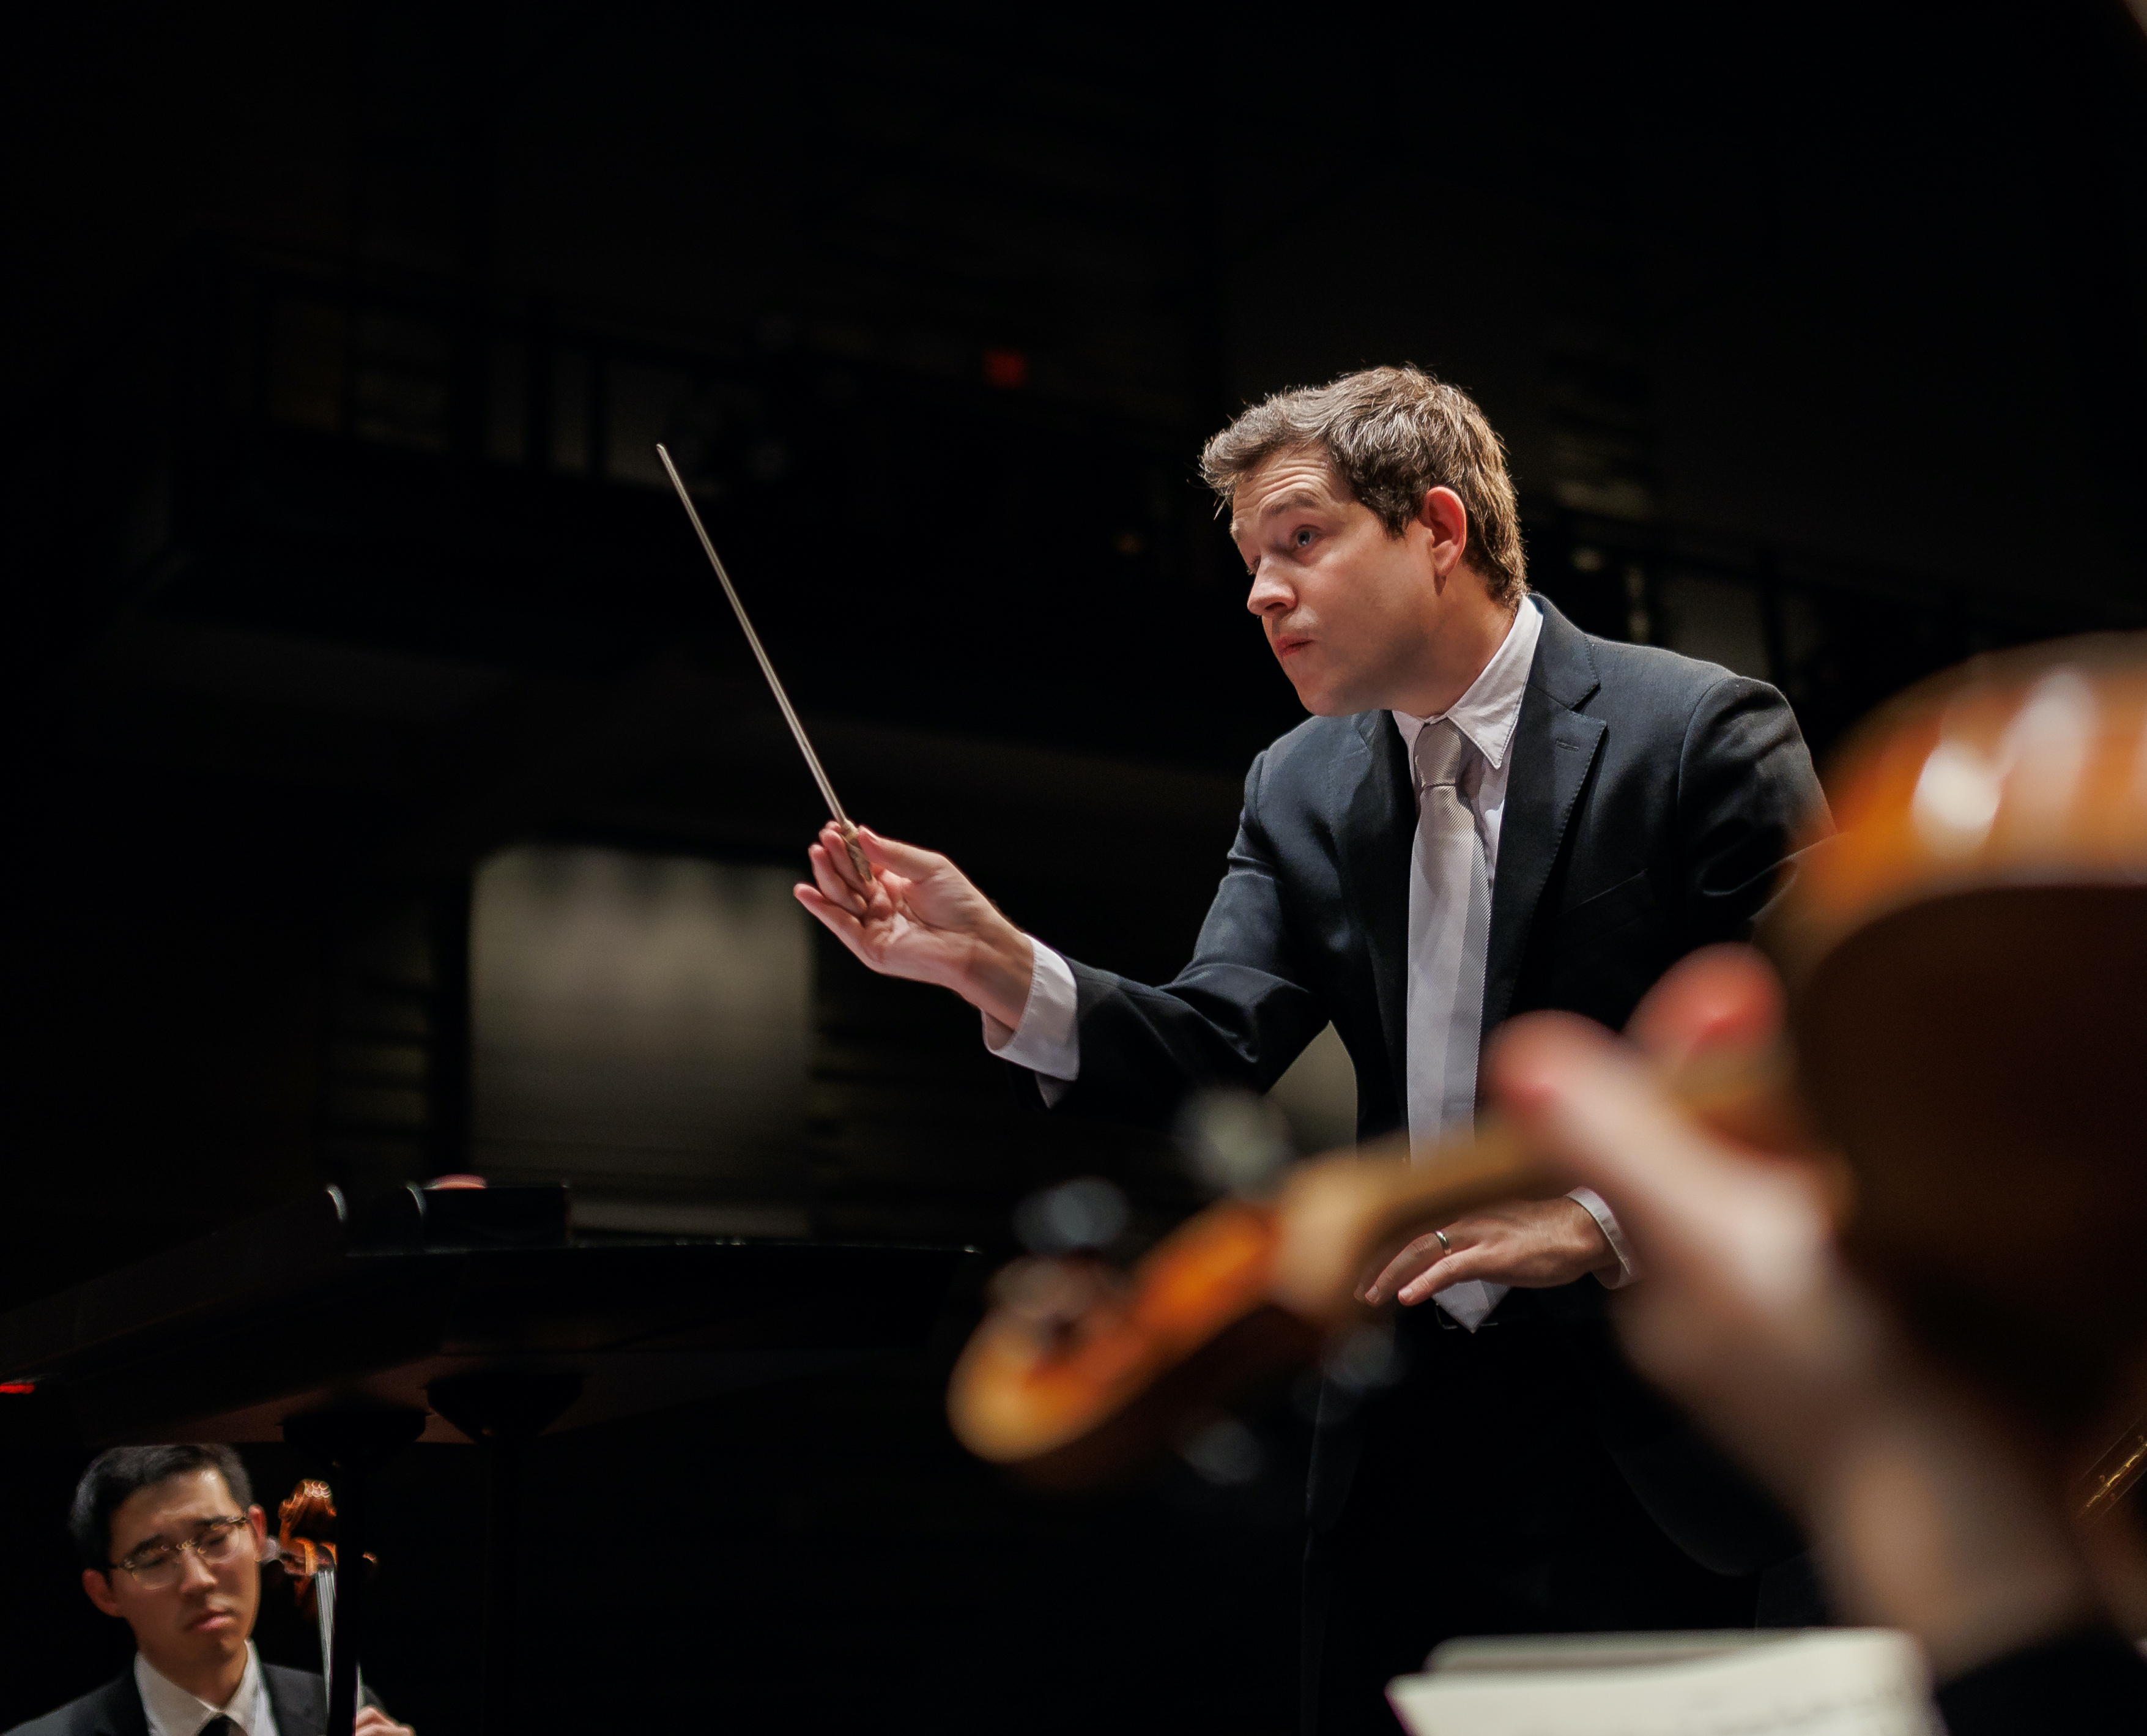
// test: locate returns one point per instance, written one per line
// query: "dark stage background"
(336, 337)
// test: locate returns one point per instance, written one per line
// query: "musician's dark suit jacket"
(1651, 803)
(300, 1699)
(2091, 1682)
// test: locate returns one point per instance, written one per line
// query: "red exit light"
(17, 1386)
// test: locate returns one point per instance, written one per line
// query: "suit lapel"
(118, 1709)
(300, 1701)
(1377, 829)
(1553, 746)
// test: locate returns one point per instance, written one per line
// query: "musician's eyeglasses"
(157, 1567)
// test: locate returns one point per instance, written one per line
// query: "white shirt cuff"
(1047, 1040)
(1598, 1209)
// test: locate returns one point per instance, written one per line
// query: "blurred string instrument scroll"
(1966, 964)
(305, 1549)
(842, 820)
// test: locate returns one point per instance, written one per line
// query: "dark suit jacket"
(1651, 803)
(2091, 1683)
(300, 1699)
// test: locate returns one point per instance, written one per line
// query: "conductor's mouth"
(1287, 646)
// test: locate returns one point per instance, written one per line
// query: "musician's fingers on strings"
(1590, 1101)
(1721, 998)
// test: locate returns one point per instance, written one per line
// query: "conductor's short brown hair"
(1390, 434)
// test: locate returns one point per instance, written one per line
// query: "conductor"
(1488, 812)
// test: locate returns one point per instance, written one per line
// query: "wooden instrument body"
(1967, 968)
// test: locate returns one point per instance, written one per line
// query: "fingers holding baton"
(854, 850)
(840, 869)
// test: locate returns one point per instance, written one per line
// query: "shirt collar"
(1486, 713)
(176, 1711)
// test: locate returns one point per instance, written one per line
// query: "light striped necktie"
(1449, 933)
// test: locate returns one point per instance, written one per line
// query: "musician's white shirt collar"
(173, 1711)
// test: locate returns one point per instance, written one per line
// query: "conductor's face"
(1359, 619)
(186, 1579)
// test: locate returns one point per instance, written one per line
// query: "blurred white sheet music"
(1823, 1682)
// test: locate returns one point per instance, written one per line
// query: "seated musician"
(171, 1544)
(1490, 810)
(1929, 1509)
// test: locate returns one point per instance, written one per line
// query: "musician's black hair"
(119, 1471)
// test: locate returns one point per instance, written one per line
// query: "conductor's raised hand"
(922, 919)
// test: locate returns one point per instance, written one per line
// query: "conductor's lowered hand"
(920, 918)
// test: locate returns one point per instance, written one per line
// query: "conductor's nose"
(1269, 596)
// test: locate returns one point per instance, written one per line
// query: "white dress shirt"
(176, 1711)
(1047, 1040)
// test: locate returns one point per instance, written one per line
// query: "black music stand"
(440, 1316)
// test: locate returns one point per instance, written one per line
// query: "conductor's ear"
(1441, 513)
(98, 1589)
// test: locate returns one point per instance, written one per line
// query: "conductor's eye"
(1302, 537)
